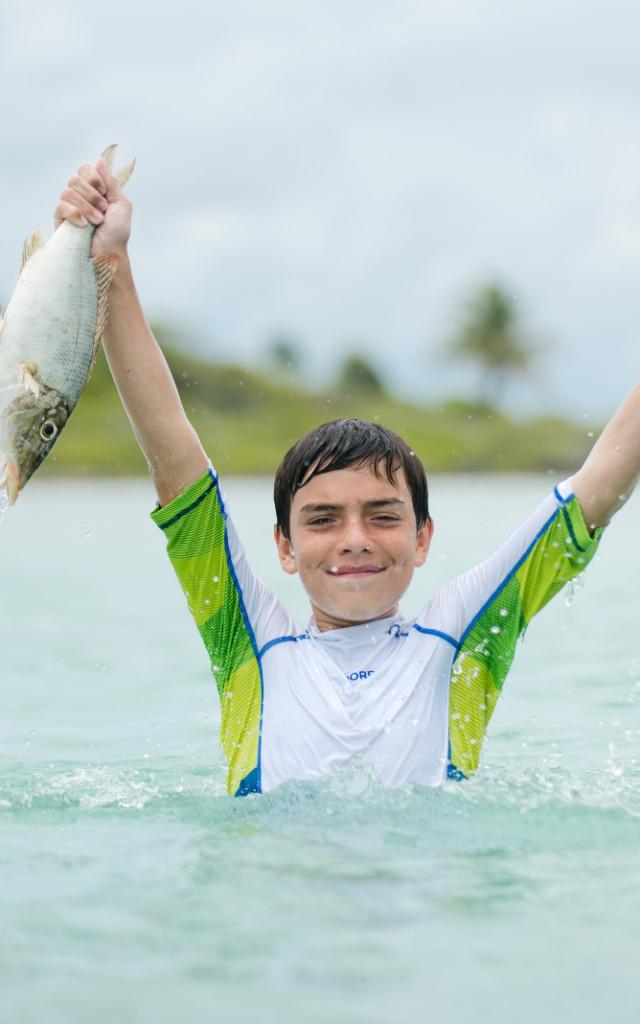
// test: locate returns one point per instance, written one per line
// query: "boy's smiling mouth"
(356, 570)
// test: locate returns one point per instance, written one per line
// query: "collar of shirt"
(357, 648)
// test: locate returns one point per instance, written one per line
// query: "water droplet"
(504, 612)
(4, 502)
(216, 579)
(495, 629)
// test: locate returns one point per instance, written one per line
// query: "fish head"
(29, 427)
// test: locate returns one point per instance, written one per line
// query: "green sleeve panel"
(199, 547)
(560, 551)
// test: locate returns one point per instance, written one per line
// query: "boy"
(411, 697)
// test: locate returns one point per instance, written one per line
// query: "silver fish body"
(48, 343)
(51, 319)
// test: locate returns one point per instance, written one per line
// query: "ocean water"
(133, 889)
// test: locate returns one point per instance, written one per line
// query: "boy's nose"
(355, 537)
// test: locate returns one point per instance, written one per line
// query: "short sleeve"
(233, 610)
(496, 602)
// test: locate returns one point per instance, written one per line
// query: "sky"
(347, 172)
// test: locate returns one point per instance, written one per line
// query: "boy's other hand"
(94, 196)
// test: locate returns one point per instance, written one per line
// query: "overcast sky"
(348, 170)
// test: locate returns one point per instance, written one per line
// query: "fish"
(49, 338)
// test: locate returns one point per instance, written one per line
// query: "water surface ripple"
(135, 889)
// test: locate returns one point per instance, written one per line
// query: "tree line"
(489, 335)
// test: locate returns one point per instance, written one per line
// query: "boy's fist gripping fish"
(49, 340)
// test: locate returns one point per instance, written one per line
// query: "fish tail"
(109, 155)
(122, 176)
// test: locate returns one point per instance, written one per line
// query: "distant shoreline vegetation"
(247, 419)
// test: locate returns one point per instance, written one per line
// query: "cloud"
(348, 170)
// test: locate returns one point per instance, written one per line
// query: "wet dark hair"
(343, 443)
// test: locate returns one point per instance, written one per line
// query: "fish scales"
(48, 343)
(50, 322)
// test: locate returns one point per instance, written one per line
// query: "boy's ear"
(285, 551)
(425, 533)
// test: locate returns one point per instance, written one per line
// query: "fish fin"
(31, 245)
(27, 377)
(123, 175)
(105, 268)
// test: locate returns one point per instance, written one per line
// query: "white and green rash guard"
(410, 697)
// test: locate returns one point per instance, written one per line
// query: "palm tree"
(490, 335)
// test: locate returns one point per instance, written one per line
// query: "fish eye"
(48, 430)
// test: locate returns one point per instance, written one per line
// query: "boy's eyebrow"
(328, 507)
(324, 507)
(383, 502)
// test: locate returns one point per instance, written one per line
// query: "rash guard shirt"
(410, 697)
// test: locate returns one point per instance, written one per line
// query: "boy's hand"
(94, 196)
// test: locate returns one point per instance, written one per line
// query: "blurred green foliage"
(285, 354)
(248, 419)
(358, 377)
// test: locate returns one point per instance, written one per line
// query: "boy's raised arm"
(172, 448)
(611, 470)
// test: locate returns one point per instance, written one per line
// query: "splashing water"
(4, 502)
(573, 586)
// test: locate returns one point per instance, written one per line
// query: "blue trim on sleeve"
(563, 501)
(453, 773)
(189, 508)
(570, 529)
(282, 640)
(251, 782)
(509, 575)
(437, 632)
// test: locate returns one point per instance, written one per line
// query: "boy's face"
(354, 543)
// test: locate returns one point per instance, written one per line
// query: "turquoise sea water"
(134, 889)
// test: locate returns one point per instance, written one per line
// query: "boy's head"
(339, 445)
(352, 518)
